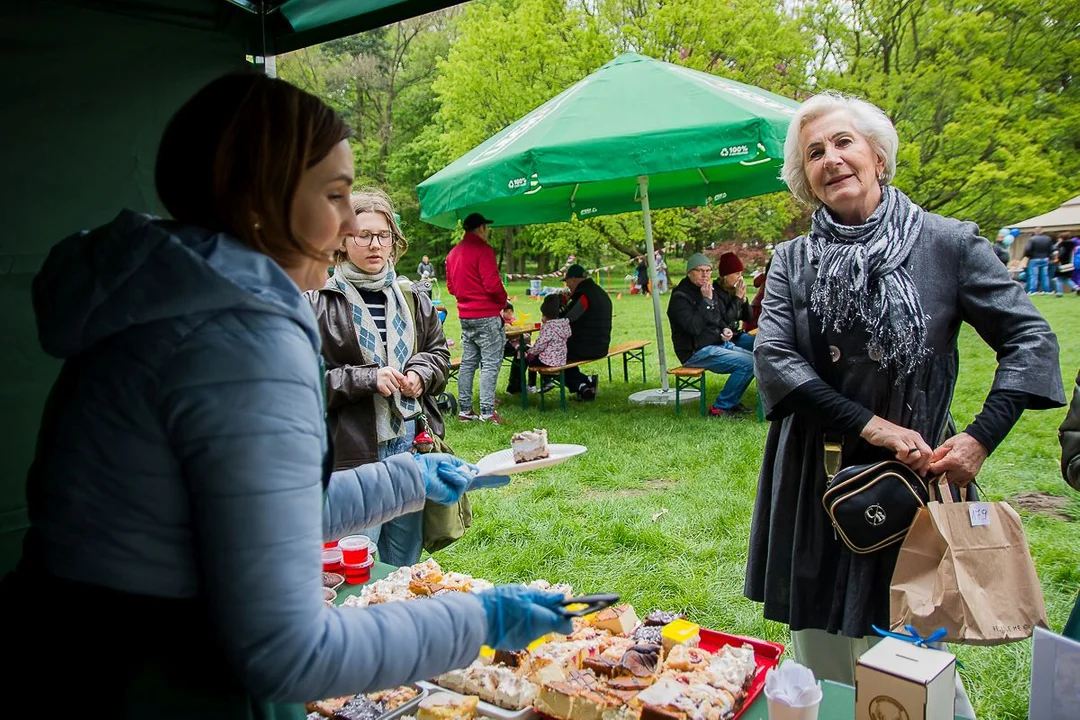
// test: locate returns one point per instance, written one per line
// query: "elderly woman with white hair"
(880, 287)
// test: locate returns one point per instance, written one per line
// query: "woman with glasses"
(386, 359)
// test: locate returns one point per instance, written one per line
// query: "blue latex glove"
(445, 477)
(517, 615)
(488, 481)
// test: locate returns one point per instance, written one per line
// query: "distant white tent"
(1065, 218)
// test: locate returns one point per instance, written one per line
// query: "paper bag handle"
(945, 493)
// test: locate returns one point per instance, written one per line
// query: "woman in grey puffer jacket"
(176, 498)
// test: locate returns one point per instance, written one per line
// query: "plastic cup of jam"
(355, 549)
(331, 560)
(360, 573)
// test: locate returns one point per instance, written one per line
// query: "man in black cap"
(472, 276)
(589, 313)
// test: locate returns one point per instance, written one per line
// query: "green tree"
(510, 57)
(381, 82)
(983, 96)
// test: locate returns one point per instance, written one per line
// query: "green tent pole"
(643, 185)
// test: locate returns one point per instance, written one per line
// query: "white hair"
(869, 121)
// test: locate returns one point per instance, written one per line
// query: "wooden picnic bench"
(630, 351)
(689, 378)
(692, 378)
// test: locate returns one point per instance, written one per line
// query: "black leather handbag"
(872, 506)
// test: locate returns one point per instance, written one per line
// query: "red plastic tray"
(767, 654)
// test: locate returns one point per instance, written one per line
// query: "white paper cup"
(780, 711)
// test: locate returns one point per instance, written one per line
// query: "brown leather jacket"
(351, 384)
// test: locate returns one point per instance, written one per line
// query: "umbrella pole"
(643, 185)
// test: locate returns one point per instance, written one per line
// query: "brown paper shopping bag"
(965, 566)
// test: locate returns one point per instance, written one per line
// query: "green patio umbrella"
(636, 134)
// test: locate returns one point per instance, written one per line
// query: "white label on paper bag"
(979, 513)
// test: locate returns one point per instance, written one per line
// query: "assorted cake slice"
(608, 670)
(529, 445)
(613, 666)
(362, 707)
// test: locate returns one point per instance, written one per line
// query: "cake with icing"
(529, 445)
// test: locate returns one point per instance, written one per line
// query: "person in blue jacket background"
(176, 500)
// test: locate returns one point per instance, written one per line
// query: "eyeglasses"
(366, 238)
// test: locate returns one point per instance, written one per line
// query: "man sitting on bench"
(589, 313)
(703, 334)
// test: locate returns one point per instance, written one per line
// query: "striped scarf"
(390, 412)
(861, 277)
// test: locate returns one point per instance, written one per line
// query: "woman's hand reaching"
(959, 458)
(389, 380)
(908, 445)
(413, 386)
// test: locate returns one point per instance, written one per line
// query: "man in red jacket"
(472, 276)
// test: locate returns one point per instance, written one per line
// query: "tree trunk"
(508, 249)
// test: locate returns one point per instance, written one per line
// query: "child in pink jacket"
(550, 348)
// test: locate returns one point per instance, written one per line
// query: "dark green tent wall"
(85, 96)
(87, 88)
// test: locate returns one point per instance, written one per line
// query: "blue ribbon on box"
(916, 639)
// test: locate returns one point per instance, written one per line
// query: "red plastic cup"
(358, 574)
(331, 560)
(355, 549)
(329, 545)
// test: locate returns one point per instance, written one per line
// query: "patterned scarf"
(390, 412)
(861, 278)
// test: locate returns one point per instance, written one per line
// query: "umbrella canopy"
(699, 138)
(1063, 219)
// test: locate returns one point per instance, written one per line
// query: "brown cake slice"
(328, 707)
(447, 706)
(591, 704)
(687, 659)
(619, 620)
(394, 697)
(601, 666)
(556, 700)
(641, 661)
(653, 712)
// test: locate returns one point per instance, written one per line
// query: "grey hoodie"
(181, 456)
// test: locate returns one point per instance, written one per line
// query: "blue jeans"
(736, 361)
(1038, 275)
(482, 341)
(400, 540)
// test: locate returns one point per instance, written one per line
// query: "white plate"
(502, 462)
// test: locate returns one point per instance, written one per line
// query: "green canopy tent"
(634, 135)
(92, 85)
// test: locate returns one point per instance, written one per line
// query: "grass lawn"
(659, 508)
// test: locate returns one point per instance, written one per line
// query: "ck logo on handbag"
(875, 515)
(856, 498)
